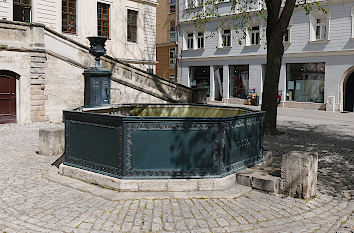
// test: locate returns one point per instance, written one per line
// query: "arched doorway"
(348, 90)
(7, 97)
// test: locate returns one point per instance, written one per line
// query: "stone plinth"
(299, 174)
(51, 141)
(149, 185)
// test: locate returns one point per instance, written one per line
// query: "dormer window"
(254, 35)
(200, 40)
(226, 38)
(321, 29)
(319, 26)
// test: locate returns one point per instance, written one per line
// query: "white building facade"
(318, 63)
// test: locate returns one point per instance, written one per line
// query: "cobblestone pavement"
(31, 203)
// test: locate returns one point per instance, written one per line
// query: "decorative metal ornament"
(97, 49)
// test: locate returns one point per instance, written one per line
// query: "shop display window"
(305, 82)
(200, 77)
(239, 81)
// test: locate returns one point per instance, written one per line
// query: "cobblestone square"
(31, 202)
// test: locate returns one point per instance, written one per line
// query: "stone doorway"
(348, 89)
(7, 97)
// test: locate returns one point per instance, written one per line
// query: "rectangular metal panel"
(96, 144)
(172, 150)
(242, 141)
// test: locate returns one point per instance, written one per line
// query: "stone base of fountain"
(146, 185)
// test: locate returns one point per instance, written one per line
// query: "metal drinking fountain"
(97, 78)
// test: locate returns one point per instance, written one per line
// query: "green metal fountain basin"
(163, 140)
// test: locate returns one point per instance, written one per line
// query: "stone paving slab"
(30, 202)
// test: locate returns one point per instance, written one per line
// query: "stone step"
(260, 177)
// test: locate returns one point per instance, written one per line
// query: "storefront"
(305, 82)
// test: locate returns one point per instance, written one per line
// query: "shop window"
(132, 26)
(69, 16)
(200, 40)
(199, 77)
(190, 41)
(102, 19)
(226, 38)
(172, 31)
(172, 6)
(22, 10)
(239, 81)
(172, 58)
(305, 82)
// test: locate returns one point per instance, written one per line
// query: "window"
(172, 78)
(319, 25)
(102, 19)
(200, 40)
(254, 35)
(190, 44)
(22, 10)
(172, 57)
(353, 22)
(69, 16)
(200, 3)
(150, 70)
(321, 29)
(172, 6)
(132, 26)
(190, 4)
(172, 31)
(286, 38)
(226, 38)
(239, 81)
(200, 77)
(305, 82)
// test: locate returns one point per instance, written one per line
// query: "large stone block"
(51, 141)
(299, 174)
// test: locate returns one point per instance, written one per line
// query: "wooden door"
(7, 98)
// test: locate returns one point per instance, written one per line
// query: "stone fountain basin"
(151, 141)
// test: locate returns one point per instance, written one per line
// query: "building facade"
(166, 38)
(44, 51)
(318, 63)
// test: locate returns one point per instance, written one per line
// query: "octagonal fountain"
(155, 141)
(163, 140)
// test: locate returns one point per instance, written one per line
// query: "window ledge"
(253, 46)
(132, 43)
(200, 49)
(224, 47)
(319, 41)
(287, 43)
(188, 50)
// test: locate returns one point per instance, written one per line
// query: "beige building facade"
(41, 66)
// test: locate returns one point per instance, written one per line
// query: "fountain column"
(97, 78)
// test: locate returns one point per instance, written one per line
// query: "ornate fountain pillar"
(97, 78)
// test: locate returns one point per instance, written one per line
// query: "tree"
(277, 14)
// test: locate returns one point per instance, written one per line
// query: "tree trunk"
(275, 51)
